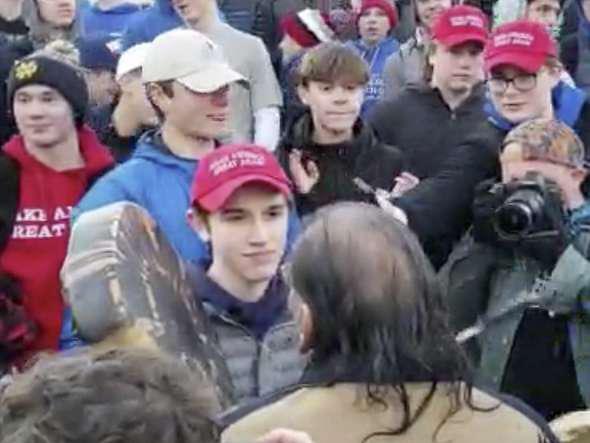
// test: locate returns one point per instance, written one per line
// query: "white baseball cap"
(131, 59)
(191, 59)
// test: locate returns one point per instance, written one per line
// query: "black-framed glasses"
(521, 82)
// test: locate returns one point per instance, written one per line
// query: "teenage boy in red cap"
(448, 109)
(524, 80)
(375, 22)
(240, 201)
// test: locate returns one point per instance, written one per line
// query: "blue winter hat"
(96, 53)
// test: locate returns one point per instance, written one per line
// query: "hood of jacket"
(150, 147)
(568, 102)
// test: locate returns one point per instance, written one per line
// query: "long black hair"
(376, 305)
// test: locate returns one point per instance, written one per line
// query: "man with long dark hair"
(384, 362)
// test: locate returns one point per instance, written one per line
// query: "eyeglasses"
(522, 83)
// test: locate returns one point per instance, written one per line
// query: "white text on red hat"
(514, 38)
(467, 20)
(234, 160)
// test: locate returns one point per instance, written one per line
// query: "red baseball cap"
(226, 169)
(521, 43)
(460, 24)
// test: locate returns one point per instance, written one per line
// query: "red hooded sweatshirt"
(37, 248)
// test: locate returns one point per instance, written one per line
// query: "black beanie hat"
(42, 70)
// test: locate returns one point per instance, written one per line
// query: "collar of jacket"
(567, 104)
(300, 136)
(477, 95)
(258, 317)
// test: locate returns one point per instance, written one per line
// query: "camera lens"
(514, 219)
(519, 214)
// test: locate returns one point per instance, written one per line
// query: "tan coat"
(339, 415)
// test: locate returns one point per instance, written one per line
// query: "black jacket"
(363, 157)
(450, 151)
(424, 128)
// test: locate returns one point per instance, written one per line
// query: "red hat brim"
(214, 200)
(529, 62)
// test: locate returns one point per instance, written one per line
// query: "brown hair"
(167, 88)
(122, 395)
(332, 63)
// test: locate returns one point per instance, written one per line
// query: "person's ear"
(303, 93)
(305, 323)
(579, 175)
(199, 223)
(157, 96)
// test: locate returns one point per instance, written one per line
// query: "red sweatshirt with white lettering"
(37, 248)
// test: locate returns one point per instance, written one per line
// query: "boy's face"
(194, 114)
(43, 116)
(429, 10)
(248, 235)
(373, 25)
(335, 107)
(545, 12)
(133, 94)
(457, 68)
(58, 13)
(102, 87)
(519, 96)
(192, 11)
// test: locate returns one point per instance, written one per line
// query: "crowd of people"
(294, 221)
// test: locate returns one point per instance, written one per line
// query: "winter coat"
(428, 142)
(575, 51)
(354, 415)
(376, 57)
(160, 182)
(405, 67)
(259, 341)
(484, 279)
(364, 157)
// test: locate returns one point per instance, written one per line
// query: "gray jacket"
(258, 367)
(478, 281)
(405, 67)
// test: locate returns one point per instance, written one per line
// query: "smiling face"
(194, 114)
(373, 25)
(334, 107)
(517, 105)
(43, 116)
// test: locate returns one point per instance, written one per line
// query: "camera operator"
(518, 284)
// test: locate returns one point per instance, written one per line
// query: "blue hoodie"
(375, 56)
(567, 104)
(113, 22)
(151, 22)
(160, 182)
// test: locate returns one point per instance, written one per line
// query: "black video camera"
(514, 212)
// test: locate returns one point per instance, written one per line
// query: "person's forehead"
(537, 3)
(255, 195)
